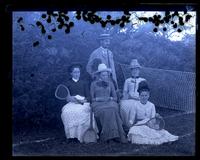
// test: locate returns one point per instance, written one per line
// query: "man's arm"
(93, 63)
(93, 56)
(88, 66)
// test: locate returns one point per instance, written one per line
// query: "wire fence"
(169, 89)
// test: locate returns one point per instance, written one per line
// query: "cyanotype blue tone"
(42, 61)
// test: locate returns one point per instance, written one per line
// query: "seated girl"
(105, 107)
(144, 111)
(76, 113)
(130, 95)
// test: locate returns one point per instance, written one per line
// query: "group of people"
(114, 117)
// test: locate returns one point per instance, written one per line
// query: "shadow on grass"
(57, 143)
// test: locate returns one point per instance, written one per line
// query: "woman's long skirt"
(76, 120)
(145, 135)
(128, 112)
(108, 120)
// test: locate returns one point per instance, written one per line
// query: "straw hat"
(102, 68)
(134, 64)
(104, 36)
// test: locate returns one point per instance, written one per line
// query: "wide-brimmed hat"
(102, 68)
(104, 36)
(74, 65)
(134, 64)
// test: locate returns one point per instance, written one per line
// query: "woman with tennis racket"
(76, 113)
(149, 126)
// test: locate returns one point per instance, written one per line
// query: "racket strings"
(62, 92)
(156, 123)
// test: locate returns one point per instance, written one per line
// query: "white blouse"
(144, 111)
(131, 86)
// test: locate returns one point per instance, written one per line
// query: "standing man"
(102, 55)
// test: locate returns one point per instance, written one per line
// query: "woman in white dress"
(130, 95)
(144, 111)
(76, 113)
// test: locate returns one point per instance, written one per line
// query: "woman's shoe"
(110, 141)
(69, 140)
(73, 140)
(117, 140)
(124, 140)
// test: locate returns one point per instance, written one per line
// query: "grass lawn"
(55, 142)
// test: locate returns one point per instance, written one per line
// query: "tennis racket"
(62, 92)
(156, 123)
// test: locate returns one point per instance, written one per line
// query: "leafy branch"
(61, 20)
(168, 19)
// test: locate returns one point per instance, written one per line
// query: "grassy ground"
(55, 142)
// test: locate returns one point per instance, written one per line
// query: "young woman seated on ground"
(76, 113)
(144, 111)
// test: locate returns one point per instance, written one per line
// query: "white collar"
(144, 104)
(135, 77)
(103, 48)
(75, 80)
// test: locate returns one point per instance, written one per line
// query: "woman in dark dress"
(105, 107)
(76, 113)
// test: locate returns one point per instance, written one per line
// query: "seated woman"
(130, 95)
(144, 111)
(106, 110)
(76, 113)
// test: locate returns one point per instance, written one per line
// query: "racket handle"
(91, 118)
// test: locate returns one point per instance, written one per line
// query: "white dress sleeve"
(125, 90)
(153, 111)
